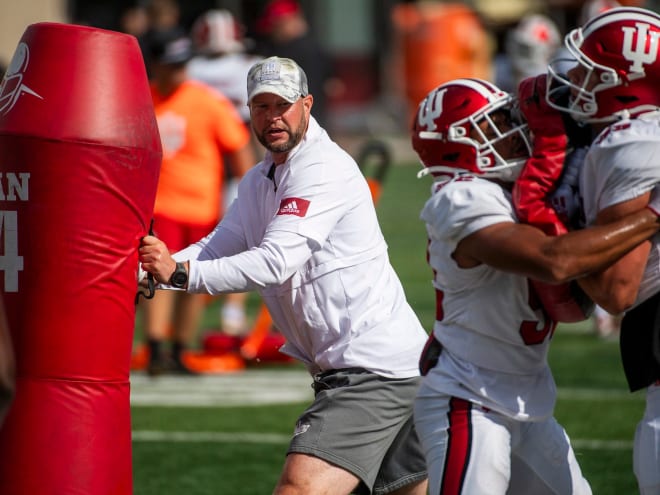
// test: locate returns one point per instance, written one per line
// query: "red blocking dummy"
(79, 161)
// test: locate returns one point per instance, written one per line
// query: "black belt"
(319, 383)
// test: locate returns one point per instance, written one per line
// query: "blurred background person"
(528, 48)
(198, 127)
(221, 57)
(285, 32)
(222, 62)
(161, 16)
(134, 20)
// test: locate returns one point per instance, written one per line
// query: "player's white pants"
(646, 451)
(470, 451)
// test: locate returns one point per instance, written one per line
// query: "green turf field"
(238, 450)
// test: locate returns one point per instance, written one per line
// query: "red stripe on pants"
(458, 447)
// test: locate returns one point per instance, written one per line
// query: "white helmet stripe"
(484, 88)
(622, 14)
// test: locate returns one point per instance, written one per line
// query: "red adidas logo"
(293, 206)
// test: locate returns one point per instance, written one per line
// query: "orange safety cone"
(262, 327)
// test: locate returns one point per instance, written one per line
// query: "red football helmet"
(618, 51)
(447, 137)
(532, 44)
(217, 31)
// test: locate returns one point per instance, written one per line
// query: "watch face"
(179, 277)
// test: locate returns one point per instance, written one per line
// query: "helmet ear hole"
(484, 162)
(610, 78)
(627, 99)
(458, 132)
(451, 157)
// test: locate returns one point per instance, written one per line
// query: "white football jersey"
(622, 164)
(306, 236)
(494, 332)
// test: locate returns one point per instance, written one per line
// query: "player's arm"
(7, 366)
(527, 251)
(615, 287)
(278, 256)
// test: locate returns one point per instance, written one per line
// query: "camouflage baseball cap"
(280, 76)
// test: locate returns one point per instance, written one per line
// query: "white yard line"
(584, 444)
(209, 437)
(275, 438)
(261, 387)
(250, 387)
(598, 394)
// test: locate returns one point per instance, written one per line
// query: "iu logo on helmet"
(431, 110)
(639, 55)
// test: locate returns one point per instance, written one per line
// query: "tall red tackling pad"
(79, 162)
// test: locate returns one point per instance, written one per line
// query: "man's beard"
(294, 139)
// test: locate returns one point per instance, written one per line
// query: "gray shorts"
(362, 422)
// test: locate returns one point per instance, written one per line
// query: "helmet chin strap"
(509, 174)
(439, 171)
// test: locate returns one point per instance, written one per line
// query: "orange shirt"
(197, 125)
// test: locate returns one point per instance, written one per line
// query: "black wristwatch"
(179, 278)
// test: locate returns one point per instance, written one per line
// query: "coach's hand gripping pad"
(79, 156)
